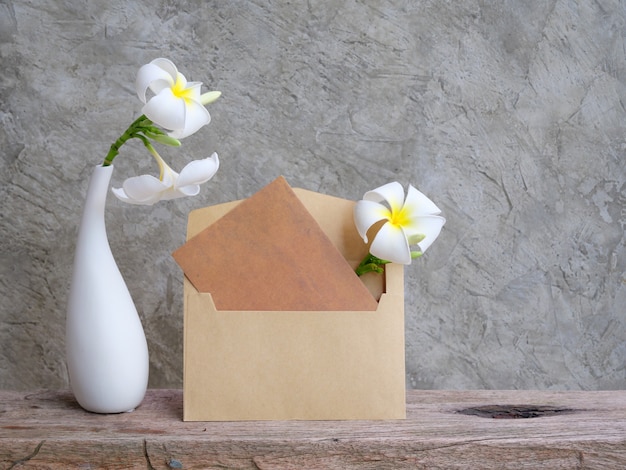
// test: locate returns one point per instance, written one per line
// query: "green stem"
(133, 131)
(371, 264)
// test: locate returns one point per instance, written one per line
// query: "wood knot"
(514, 411)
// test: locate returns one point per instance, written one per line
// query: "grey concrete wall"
(509, 115)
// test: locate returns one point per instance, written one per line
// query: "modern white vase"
(107, 353)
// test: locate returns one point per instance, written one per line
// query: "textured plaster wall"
(509, 115)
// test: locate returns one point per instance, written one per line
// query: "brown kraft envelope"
(304, 365)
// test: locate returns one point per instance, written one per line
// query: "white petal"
(153, 77)
(166, 110)
(189, 190)
(430, 226)
(192, 89)
(417, 203)
(175, 194)
(393, 193)
(144, 189)
(427, 225)
(198, 171)
(196, 116)
(366, 214)
(121, 195)
(166, 65)
(390, 244)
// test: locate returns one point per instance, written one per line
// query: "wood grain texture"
(47, 429)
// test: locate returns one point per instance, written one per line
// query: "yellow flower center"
(180, 89)
(400, 218)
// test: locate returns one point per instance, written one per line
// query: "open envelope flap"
(317, 365)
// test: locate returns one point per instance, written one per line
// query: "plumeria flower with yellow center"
(177, 104)
(147, 189)
(400, 223)
(178, 107)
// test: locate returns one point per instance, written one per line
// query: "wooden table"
(444, 429)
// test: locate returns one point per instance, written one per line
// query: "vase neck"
(98, 189)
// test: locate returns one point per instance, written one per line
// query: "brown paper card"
(269, 253)
(281, 365)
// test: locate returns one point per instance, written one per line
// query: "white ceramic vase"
(107, 353)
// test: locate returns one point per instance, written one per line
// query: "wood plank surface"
(444, 429)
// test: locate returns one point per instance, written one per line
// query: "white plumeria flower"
(411, 221)
(147, 189)
(177, 104)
